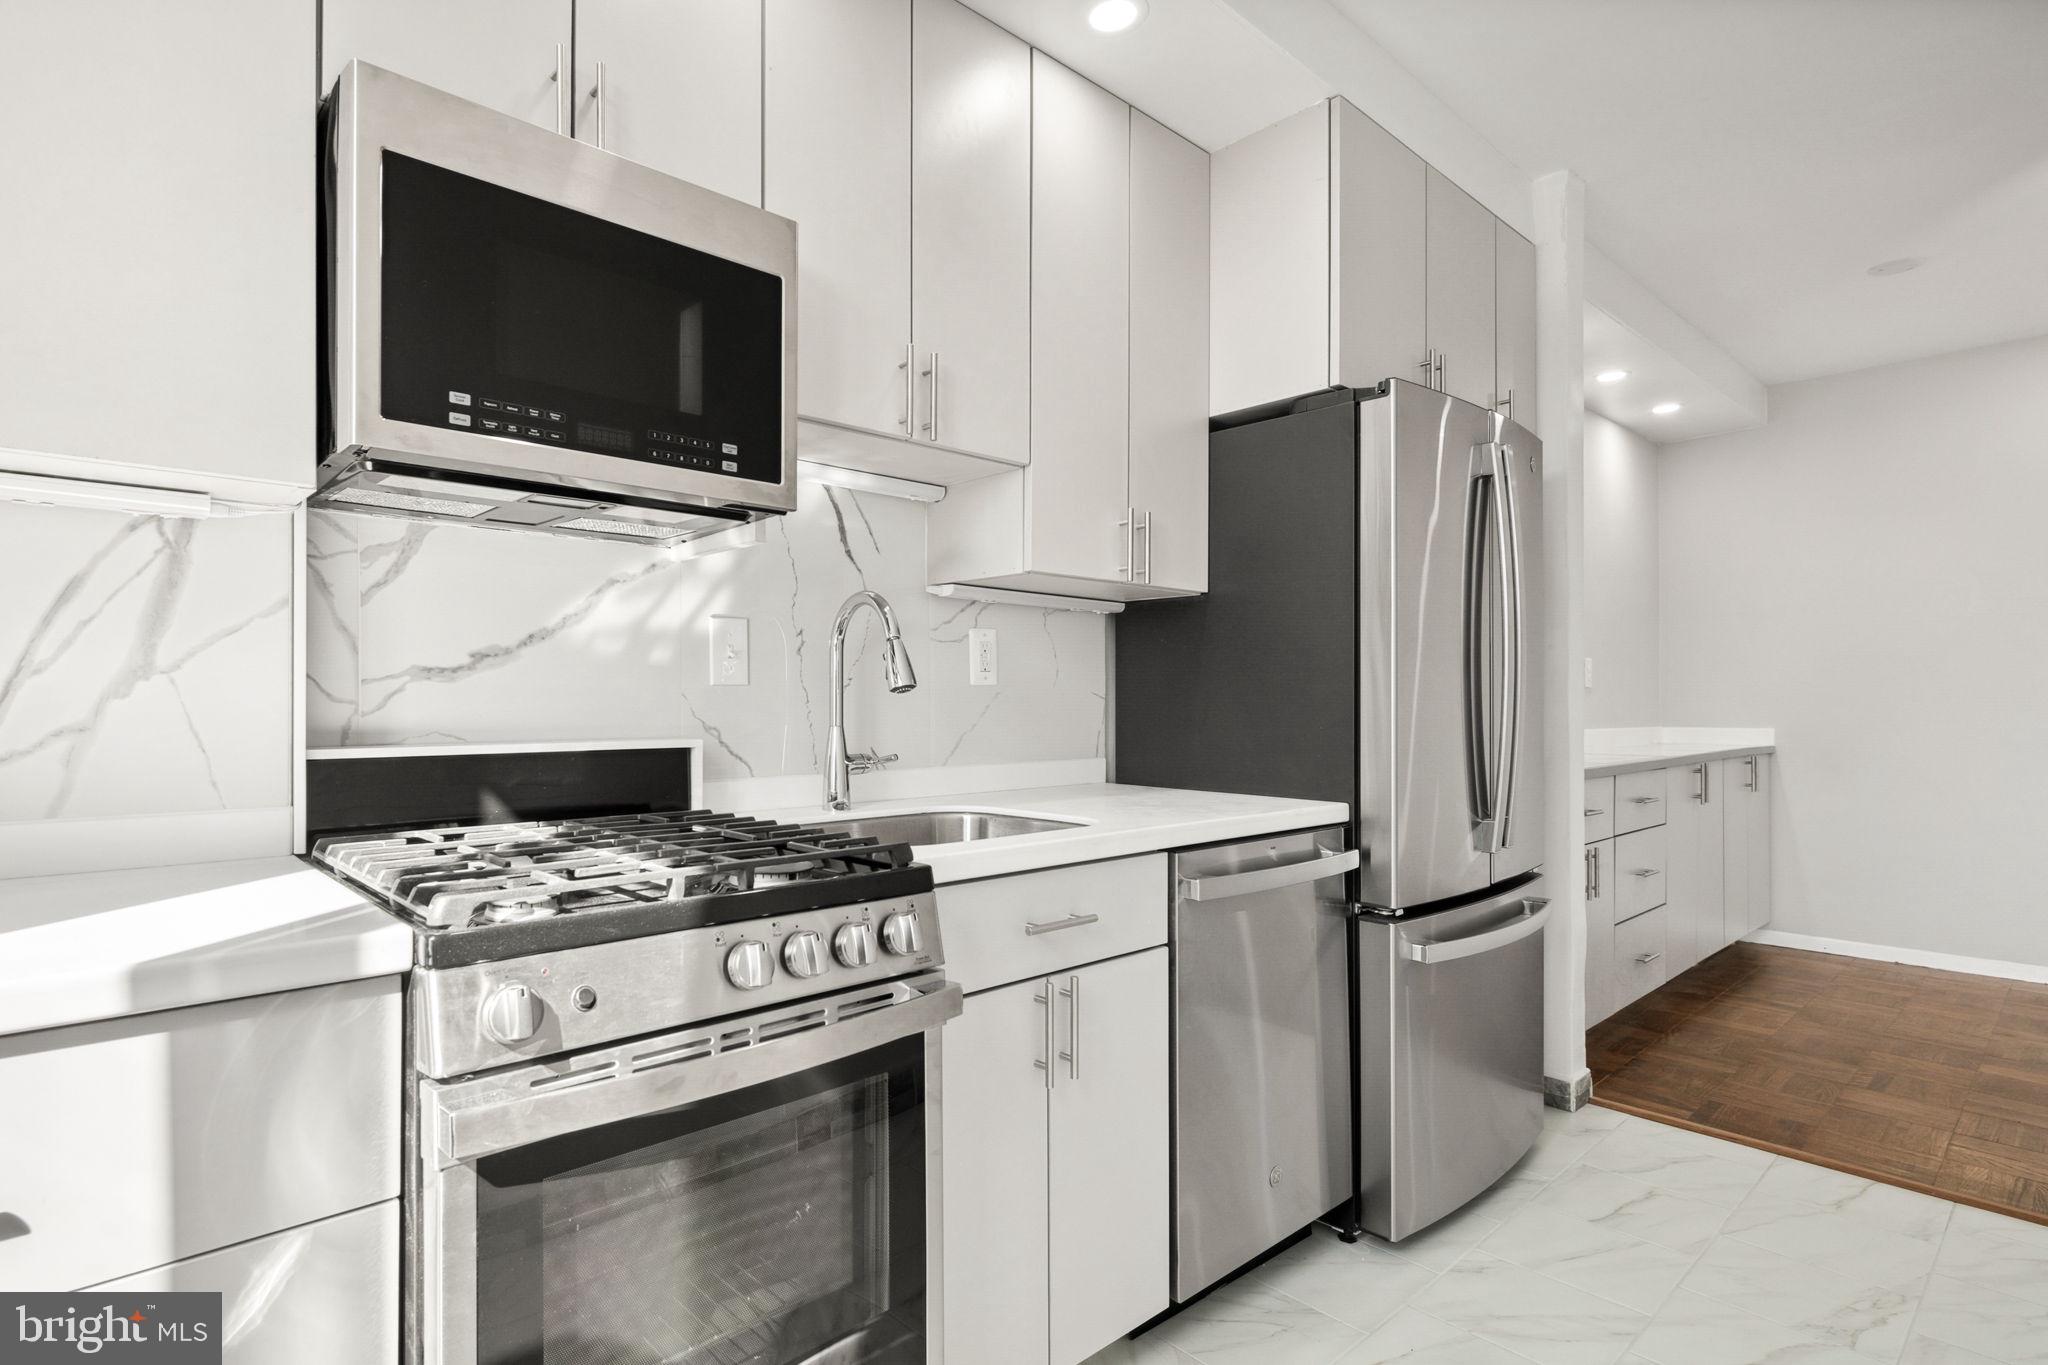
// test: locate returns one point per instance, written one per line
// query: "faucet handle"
(870, 762)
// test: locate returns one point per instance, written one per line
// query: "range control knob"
(854, 945)
(749, 965)
(902, 935)
(804, 954)
(511, 1014)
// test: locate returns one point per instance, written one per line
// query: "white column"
(1560, 220)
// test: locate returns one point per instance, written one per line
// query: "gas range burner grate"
(455, 876)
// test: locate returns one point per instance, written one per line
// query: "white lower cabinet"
(325, 1293)
(1055, 1148)
(1688, 873)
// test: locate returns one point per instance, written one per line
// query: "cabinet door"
(836, 158)
(1108, 1173)
(1760, 905)
(970, 222)
(1080, 325)
(340, 1272)
(1747, 857)
(1170, 353)
(1514, 349)
(1270, 263)
(158, 278)
(1378, 218)
(1460, 283)
(497, 53)
(682, 87)
(993, 1121)
(1600, 873)
(1695, 848)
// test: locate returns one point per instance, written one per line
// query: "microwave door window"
(572, 330)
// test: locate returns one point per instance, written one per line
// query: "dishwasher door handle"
(1267, 878)
(1535, 914)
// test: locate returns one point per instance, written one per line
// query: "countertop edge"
(1610, 766)
(1069, 848)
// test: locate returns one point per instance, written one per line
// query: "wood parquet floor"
(1936, 1081)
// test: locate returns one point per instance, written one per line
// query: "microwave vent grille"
(407, 502)
(607, 526)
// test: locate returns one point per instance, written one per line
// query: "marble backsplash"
(420, 633)
(145, 664)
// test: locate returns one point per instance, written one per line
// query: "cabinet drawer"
(1599, 809)
(1009, 928)
(1640, 872)
(341, 1273)
(138, 1142)
(1639, 800)
(1639, 961)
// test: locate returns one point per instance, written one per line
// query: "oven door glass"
(506, 315)
(778, 1224)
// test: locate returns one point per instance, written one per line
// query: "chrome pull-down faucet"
(839, 764)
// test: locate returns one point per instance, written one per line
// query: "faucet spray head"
(896, 665)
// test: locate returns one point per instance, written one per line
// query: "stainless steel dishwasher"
(1450, 1054)
(1261, 1048)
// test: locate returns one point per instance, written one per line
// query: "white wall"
(1621, 576)
(1869, 574)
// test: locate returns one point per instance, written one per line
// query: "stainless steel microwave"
(525, 331)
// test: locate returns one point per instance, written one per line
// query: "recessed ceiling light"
(1610, 376)
(1898, 267)
(1114, 16)
(1666, 409)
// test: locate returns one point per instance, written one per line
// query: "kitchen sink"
(944, 826)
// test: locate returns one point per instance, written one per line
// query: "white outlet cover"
(1589, 670)
(729, 651)
(981, 658)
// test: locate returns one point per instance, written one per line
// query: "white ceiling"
(1654, 376)
(1748, 160)
(1195, 65)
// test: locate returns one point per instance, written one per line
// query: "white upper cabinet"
(157, 285)
(1169, 367)
(502, 54)
(680, 87)
(1080, 320)
(1269, 281)
(1514, 362)
(970, 218)
(1378, 216)
(836, 158)
(1460, 291)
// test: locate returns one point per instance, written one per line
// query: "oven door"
(760, 1191)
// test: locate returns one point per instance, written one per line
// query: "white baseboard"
(1911, 957)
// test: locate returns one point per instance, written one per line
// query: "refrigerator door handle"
(1535, 914)
(1478, 508)
(1507, 527)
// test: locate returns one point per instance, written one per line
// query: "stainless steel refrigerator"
(1372, 635)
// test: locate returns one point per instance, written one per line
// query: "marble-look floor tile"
(1530, 1314)
(1857, 1235)
(1412, 1338)
(1563, 1143)
(1144, 1350)
(1807, 1296)
(1678, 1162)
(1927, 1351)
(1441, 1245)
(1633, 1208)
(1248, 1323)
(1997, 1252)
(1357, 1284)
(1692, 1329)
(1977, 1318)
(1902, 1211)
(1600, 1260)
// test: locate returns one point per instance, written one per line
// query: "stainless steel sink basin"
(943, 826)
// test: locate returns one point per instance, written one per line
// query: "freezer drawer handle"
(1053, 926)
(1267, 878)
(1535, 914)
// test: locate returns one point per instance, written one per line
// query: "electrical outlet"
(981, 658)
(728, 651)
(1589, 670)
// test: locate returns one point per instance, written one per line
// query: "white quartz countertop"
(105, 944)
(1115, 821)
(1640, 757)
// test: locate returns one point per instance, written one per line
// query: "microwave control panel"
(515, 420)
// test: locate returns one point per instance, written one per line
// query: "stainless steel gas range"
(673, 1075)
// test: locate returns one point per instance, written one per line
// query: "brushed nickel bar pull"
(909, 368)
(1647, 958)
(597, 93)
(1053, 926)
(1044, 997)
(1072, 1056)
(561, 80)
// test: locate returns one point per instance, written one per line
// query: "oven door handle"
(472, 1119)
